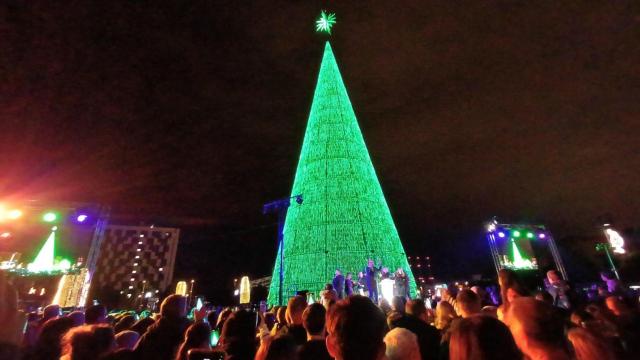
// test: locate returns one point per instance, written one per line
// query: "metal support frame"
(556, 256)
(494, 251)
(94, 250)
(551, 244)
(281, 206)
(606, 248)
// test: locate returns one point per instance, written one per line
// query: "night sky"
(192, 113)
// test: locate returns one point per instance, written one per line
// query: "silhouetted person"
(401, 344)
(197, 336)
(238, 338)
(468, 302)
(482, 338)
(161, 340)
(355, 330)
(88, 342)
(295, 309)
(142, 325)
(95, 314)
(415, 320)
(538, 329)
(313, 320)
(48, 345)
(401, 284)
(282, 347)
(558, 288)
(124, 323)
(338, 283)
(127, 339)
(348, 284)
(588, 346)
(371, 279)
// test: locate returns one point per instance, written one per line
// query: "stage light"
(516, 233)
(530, 235)
(49, 217)
(542, 236)
(501, 234)
(5, 235)
(14, 214)
(81, 218)
(615, 240)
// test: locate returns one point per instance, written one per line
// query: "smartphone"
(263, 306)
(214, 338)
(199, 354)
(199, 303)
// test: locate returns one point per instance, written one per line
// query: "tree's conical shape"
(344, 219)
(46, 255)
(518, 260)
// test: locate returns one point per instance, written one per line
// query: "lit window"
(160, 269)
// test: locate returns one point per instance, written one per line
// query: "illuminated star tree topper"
(325, 22)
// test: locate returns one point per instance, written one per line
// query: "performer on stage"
(338, 283)
(371, 278)
(348, 285)
(386, 285)
(402, 284)
(361, 284)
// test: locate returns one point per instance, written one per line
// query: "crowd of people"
(466, 325)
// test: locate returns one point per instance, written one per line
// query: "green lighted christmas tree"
(520, 262)
(344, 219)
(45, 258)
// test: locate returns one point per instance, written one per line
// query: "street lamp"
(615, 244)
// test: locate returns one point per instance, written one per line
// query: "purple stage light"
(81, 218)
(501, 234)
(542, 235)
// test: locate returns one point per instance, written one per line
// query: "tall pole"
(281, 206)
(282, 215)
(191, 292)
(605, 247)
